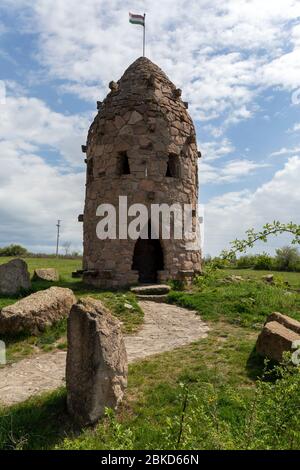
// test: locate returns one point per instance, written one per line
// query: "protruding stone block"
(84, 148)
(96, 373)
(177, 93)
(113, 86)
(77, 274)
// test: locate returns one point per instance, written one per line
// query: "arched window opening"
(123, 164)
(173, 166)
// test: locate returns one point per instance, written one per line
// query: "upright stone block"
(96, 372)
(14, 276)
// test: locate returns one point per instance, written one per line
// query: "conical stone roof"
(146, 89)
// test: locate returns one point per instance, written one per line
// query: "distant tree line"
(21, 251)
(286, 258)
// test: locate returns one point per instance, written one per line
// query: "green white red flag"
(136, 19)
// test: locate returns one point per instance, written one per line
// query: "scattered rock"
(155, 289)
(96, 373)
(278, 336)
(37, 311)
(46, 274)
(269, 278)
(286, 321)
(274, 340)
(128, 306)
(233, 278)
(14, 276)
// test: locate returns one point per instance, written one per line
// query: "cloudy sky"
(237, 62)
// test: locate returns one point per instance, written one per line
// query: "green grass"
(152, 396)
(225, 363)
(122, 304)
(246, 303)
(292, 278)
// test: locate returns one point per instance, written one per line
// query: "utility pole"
(57, 238)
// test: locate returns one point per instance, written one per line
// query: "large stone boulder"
(96, 372)
(277, 336)
(46, 274)
(14, 276)
(37, 311)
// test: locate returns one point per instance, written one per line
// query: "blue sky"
(237, 62)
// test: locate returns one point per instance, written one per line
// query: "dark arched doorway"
(148, 259)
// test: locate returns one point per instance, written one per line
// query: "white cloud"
(216, 150)
(296, 127)
(33, 195)
(286, 151)
(222, 53)
(232, 171)
(28, 122)
(36, 191)
(235, 212)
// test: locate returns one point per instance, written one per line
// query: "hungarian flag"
(136, 19)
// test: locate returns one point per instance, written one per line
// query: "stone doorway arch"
(148, 259)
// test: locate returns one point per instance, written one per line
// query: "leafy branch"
(274, 228)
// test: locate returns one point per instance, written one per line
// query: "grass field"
(292, 278)
(226, 406)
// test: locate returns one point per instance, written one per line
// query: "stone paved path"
(166, 327)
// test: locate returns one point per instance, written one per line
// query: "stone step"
(154, 289)
(162, 298)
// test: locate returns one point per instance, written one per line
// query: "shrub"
(263, 262)
(287, 258)
(269, 420)
(247, 261)
(13, 250)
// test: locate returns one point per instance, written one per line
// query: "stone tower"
(142, 145)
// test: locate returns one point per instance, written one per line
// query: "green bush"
(13, 250)
(247, 261)
(287, 258)
(263, 262)
(270, 420)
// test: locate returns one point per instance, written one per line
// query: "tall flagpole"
(144, 36)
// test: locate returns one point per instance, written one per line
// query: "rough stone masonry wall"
(144, 116)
